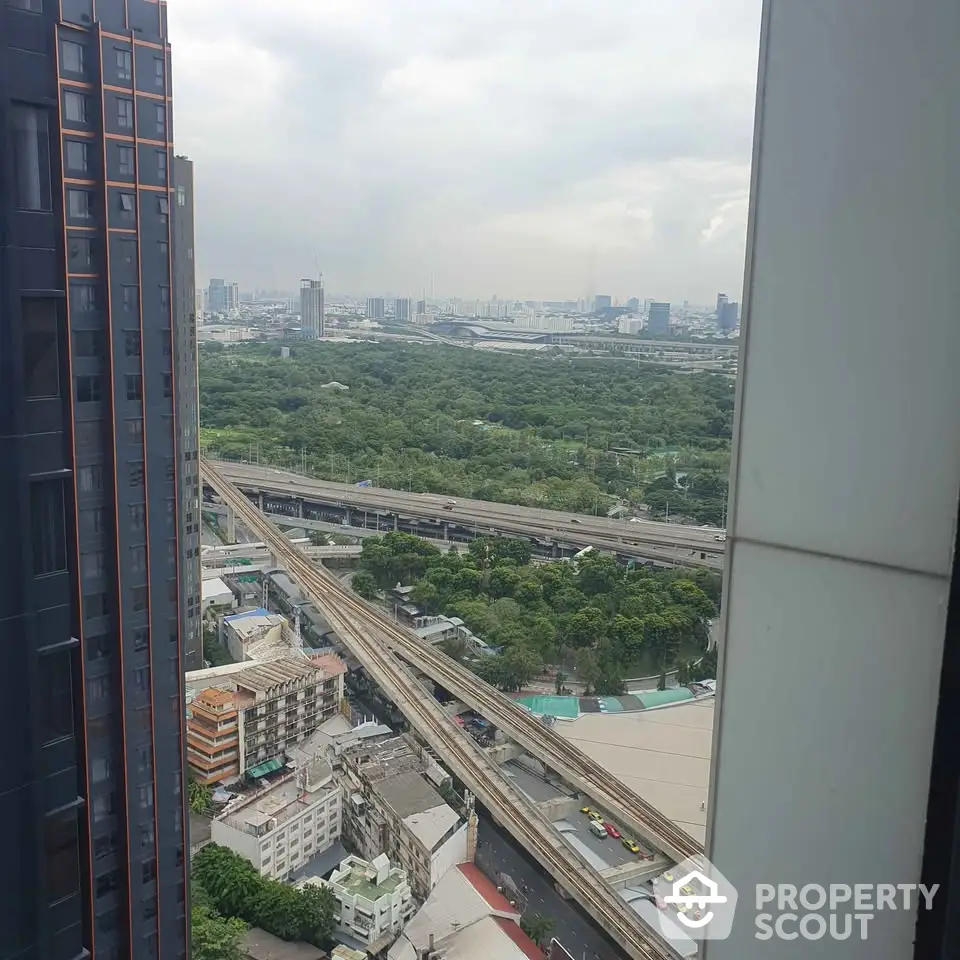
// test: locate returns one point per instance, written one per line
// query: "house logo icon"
(710, 895)
(695, 901)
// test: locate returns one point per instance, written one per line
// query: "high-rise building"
(601, 302)
(722, 299)
(217, 296)
(311, 309)
(421, 306)
(658, 317)
(91, 672)
(233, 296)
(188, 408)
(728, 316)
(401, 310)
(633, 304)
(375, 308)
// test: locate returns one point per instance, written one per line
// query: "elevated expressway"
(645, 539)
(375, 640)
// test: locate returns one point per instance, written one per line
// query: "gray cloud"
(530, 149)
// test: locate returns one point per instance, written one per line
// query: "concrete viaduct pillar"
(231, 525)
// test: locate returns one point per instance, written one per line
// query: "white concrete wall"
(846, 463)
(239, 842)
(451, 853)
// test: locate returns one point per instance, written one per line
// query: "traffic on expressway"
(370, 635)
(666, 542)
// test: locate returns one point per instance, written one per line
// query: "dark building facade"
(188, 411)
(91, 489)
(658, 317)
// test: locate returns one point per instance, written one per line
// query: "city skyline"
(471, 150)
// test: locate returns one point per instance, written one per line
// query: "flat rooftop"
(360, 883)
(408, 793)
(663, 755)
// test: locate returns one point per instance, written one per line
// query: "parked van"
(598, 829)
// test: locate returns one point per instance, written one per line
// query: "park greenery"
(543, 431)
(589, 617)
(229, 891)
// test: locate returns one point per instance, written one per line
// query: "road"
(479, 513)
(497, 853)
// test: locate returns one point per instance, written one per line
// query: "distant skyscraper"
(401, 310)
(658, 319)
(721, 300)
(728, 317)
(217, 296)
(376, 308)
(311, 309)
(601, 302)
(421, 306)
(91, 588)
(233, 296)
(633, 304)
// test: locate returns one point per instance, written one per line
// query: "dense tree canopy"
(231, 887)
(606, 620)
(541, 431)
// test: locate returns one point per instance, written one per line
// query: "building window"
(48, 527)
(125, 161)
(92, 564)
(80, 204)
(146, 794)
(136, 473)
(135, 429)
(81, 254)
(124, 113)
(41, 362)
(87, 433)
(104, 846)
(127, 206)
(83, 297)
(158, 72)
(161, 115)
(162, 164)
(71, 57)
(90, 478)
(141, 680)
(78, 154)
(94, 605)
(181, 195)
(31, 158)
(141, 638)
(139, 599)
(149, 870)
(62, 858)
(131, 338)
(163, 248)
(134, 387)
(167, 386)
(56, 696)
(138, 559)
(163, 207)
(100, 769)
(124, 64)
(109, 882)
(88, 343)
(75, 107)
(89, 389)
(165, 297)
(138, 515)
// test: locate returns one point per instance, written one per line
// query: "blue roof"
(259, 612)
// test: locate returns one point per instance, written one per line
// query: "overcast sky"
(525, 148)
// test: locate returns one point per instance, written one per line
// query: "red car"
(612, 831)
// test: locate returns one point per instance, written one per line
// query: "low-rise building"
(283, 826)
(467, 919)
(257, 944)
(392, 806)
(251, 714)
(214, 592)
(375, 900)
(436, 630)
(243, 632)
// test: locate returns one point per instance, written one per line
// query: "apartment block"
(392, 806)
(91, 486)
(281, 827)
(248, 718)
(375, 901)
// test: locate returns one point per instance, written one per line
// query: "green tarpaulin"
(262, 769)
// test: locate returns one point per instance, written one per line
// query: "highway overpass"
(288, 495)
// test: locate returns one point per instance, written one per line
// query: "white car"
(721, 538)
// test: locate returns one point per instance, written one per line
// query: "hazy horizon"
(551, 151)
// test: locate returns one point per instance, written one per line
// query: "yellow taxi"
(630, 845)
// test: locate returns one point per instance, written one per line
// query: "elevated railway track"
(365, 632)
